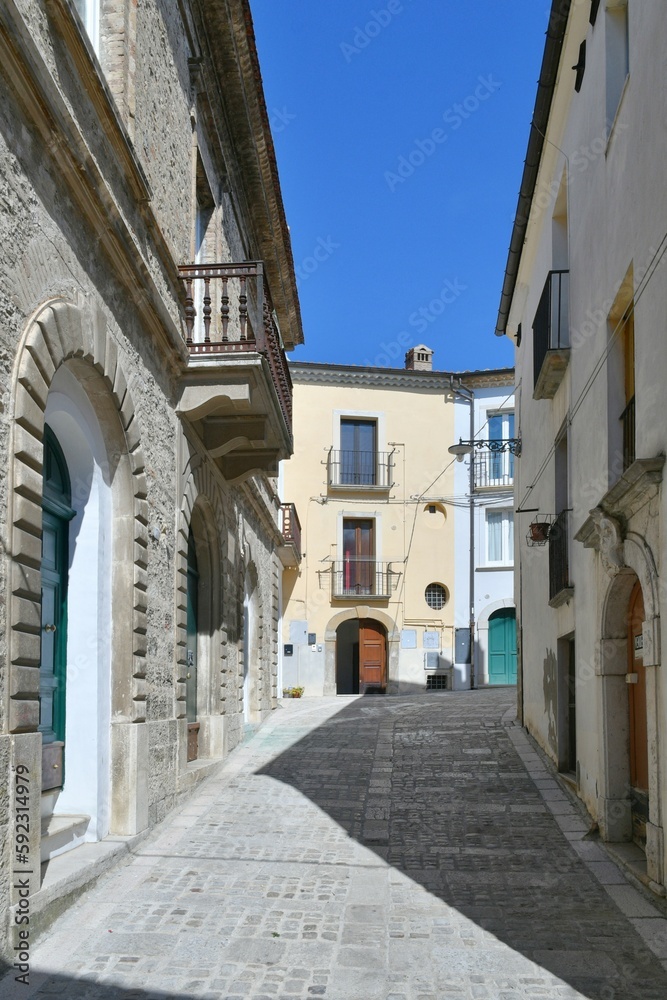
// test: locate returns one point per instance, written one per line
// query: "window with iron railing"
(559, 562)
(551, 335)
(358, 463)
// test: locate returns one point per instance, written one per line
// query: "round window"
(436, 596)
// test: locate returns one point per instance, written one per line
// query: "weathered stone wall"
(57, 242)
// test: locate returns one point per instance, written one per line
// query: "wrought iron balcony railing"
(559, 562)
(360, 469)
(628, 421)
(551, 335)
(362, 576)
(494, 470)
(228, 310)
(290, 527)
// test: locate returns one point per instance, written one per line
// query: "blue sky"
(400, 129)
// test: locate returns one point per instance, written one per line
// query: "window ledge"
(563, 596)
(495, 567)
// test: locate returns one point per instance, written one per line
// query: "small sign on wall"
(639, 646)
(288, 649)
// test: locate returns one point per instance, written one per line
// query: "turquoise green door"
(56, 515)
(502, 647)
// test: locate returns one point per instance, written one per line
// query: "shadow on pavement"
(433, 784)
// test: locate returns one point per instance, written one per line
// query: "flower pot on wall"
(538, 532)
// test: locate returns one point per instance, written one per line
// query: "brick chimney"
(419, 359)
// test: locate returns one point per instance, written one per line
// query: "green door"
(56, 515)
(191, 650)
(502, 647)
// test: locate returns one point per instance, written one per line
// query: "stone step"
(61, 832)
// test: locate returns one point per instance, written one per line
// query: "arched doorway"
(502, 646)
(192, 613)
(361, 656)
(636, 677)
(251, 648)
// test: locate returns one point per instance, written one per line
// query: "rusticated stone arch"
(61, 332)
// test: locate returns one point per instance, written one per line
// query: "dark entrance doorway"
(638, 718)
(361, 656)
(191, 650)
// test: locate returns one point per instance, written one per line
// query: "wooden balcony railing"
(290, 527)
(559, 563)
(360, 469)
(228, 310)
(361, 576)
(628, 421)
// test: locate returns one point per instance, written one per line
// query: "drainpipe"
(469, 396)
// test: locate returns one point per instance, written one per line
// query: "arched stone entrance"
(361, 657)
(628, 641)
(384, 627)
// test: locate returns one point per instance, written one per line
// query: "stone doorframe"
(393, 645)
(632, 560)
(69, 332)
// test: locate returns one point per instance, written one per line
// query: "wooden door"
(358, 556)
(372, 656)
(637, 692)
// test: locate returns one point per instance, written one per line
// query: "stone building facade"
(585, 302)
(147, 294)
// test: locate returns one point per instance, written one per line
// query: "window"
(501, 463)
(358, 556)
(436, 596)
(499, 537)
(617, 54)
(358, 452)
(88, 11)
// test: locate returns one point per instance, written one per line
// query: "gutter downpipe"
(558, 19)
(461, 391)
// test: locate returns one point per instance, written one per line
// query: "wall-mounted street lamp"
(464, 448)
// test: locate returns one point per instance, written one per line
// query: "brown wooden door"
(372, 656)
(637, 693)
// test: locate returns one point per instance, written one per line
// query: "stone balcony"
(237, 390)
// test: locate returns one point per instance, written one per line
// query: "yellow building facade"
(371, 604)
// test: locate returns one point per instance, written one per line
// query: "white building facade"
(485, 536)
(585, 301)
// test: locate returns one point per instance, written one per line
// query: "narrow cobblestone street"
(412, 848)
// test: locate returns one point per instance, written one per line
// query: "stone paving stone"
(413, 848)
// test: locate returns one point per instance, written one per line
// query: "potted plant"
(293, 692)
(538, 531)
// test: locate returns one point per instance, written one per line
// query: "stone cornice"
(397, 378)
(635, 488)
